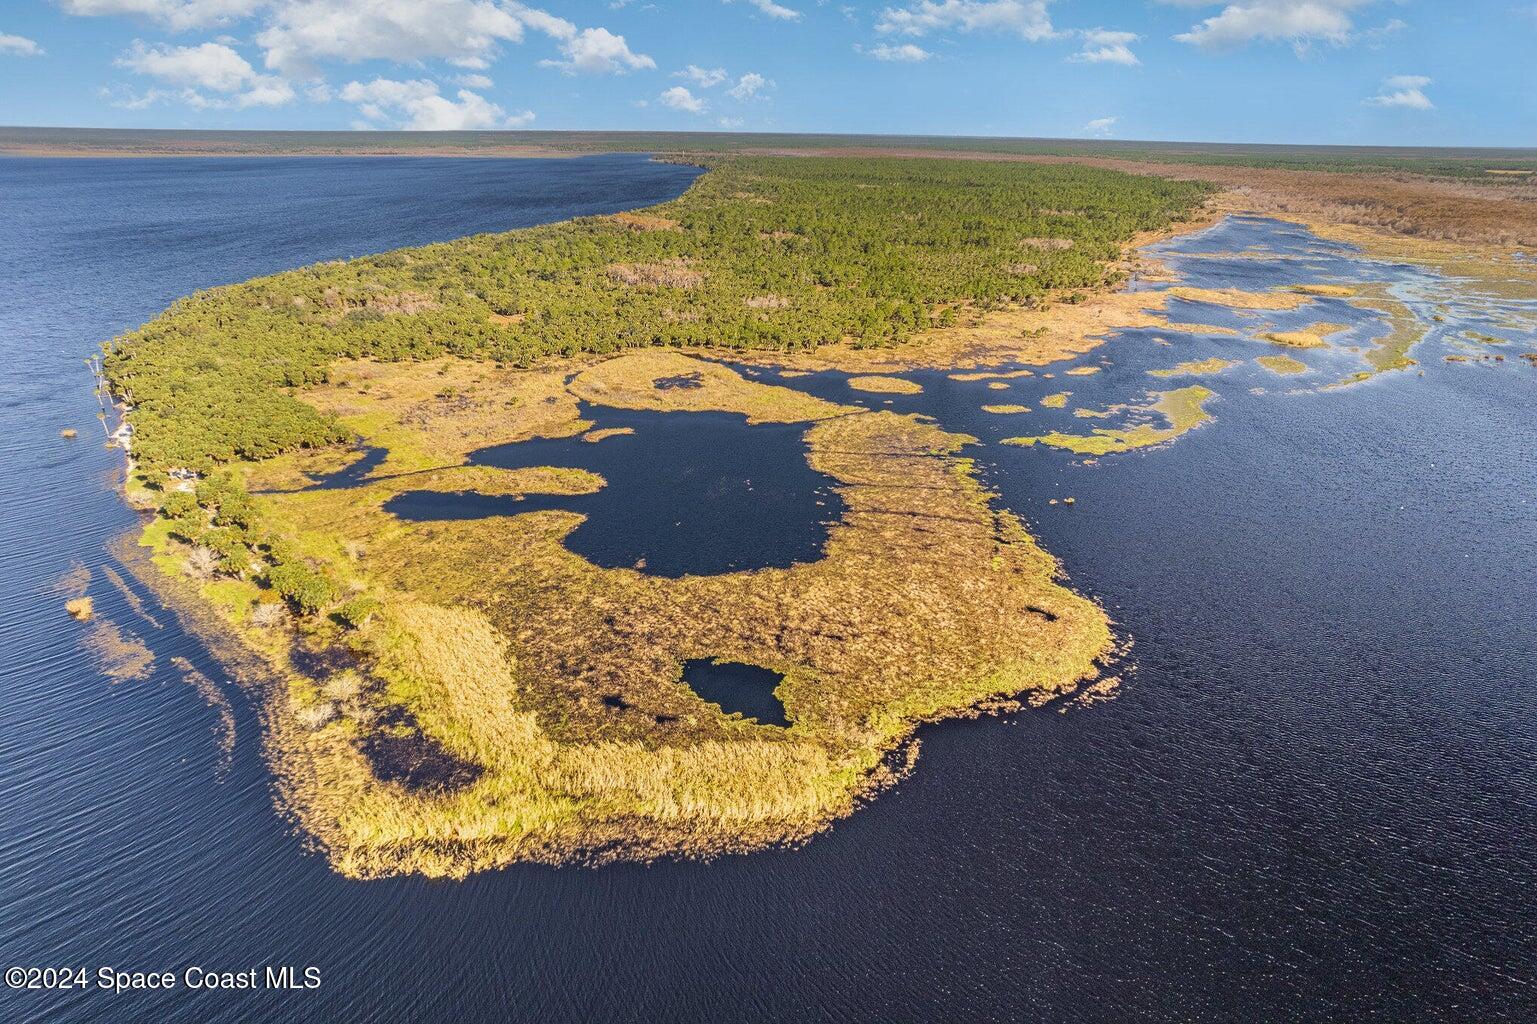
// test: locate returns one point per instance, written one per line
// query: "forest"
(763, 253)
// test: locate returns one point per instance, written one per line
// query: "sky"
(1388, 72)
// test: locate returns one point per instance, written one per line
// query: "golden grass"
(1005, 409)
(1056, 401)
(885, 385)
(1182, 410)
(1195, 368)
(1237, 298)
(501, 645)
(1284, 365)
(80, 608)
(1315, 336)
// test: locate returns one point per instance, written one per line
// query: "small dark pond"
(744, 689)
(688, 493)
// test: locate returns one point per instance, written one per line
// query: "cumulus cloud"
(300, 34)
(177, 15)
(705, 78)
(773, 10)
(303, 33)
(1028, 19)
(210, 67)
(1100, 127)
(597, 51)
(1102, 46)
(1299, 22)
(475, 81)
(748, 86)
(903, 53)
(416, 105)
(1406, 91)
(679, 98)
(19, 46)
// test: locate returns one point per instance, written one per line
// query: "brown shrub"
(673, 273)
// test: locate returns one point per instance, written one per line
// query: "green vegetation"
(1195, 368)
(1284, 365)
(766, 253)
(1183, 410)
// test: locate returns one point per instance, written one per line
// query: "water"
(686, 493)
(1312, 800)
(747, 690)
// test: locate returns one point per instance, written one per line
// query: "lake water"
(1315, 797)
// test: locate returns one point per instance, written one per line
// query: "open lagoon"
(1314, 796)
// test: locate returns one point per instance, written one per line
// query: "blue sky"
(1411, 72)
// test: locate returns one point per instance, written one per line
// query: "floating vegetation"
(990, 375)
(1056, 401)
(1315, 336)
(1005, 409)
(1282, 364)
(1330, 291)
(1083, 371)
(594, 436)
(129, 595)
(997, 385)
(1195, 368)
(1237, 298)
(224, 727)
(80, 608)
(119, 656)
(69, 432)
(1183, 410)
(885, 385)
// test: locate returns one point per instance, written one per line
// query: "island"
(344, 487)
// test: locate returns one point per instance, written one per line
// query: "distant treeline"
(766, 253)
(1480, 163)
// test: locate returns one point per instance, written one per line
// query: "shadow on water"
(687, 493)
(747, 690)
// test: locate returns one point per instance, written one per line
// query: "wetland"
(1195, 824)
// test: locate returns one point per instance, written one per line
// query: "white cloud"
(748, 86)
(1300, 22)
(214, 67)
(1403, 91)
(302, 33)
(474, 81)
(416, 105)
(773, 10)
(1100, 127)
(1102, 46)
(730, 122)
(679, 98)
(1026, 18)
(177, 15)
(19, 46)
(466, 33)
(597, 51)
(705, 78)
(903, 53)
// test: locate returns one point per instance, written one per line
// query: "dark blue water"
(746, 690)
(1314, 799)
(686, 494)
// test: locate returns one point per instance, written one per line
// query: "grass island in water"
(454, 695)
